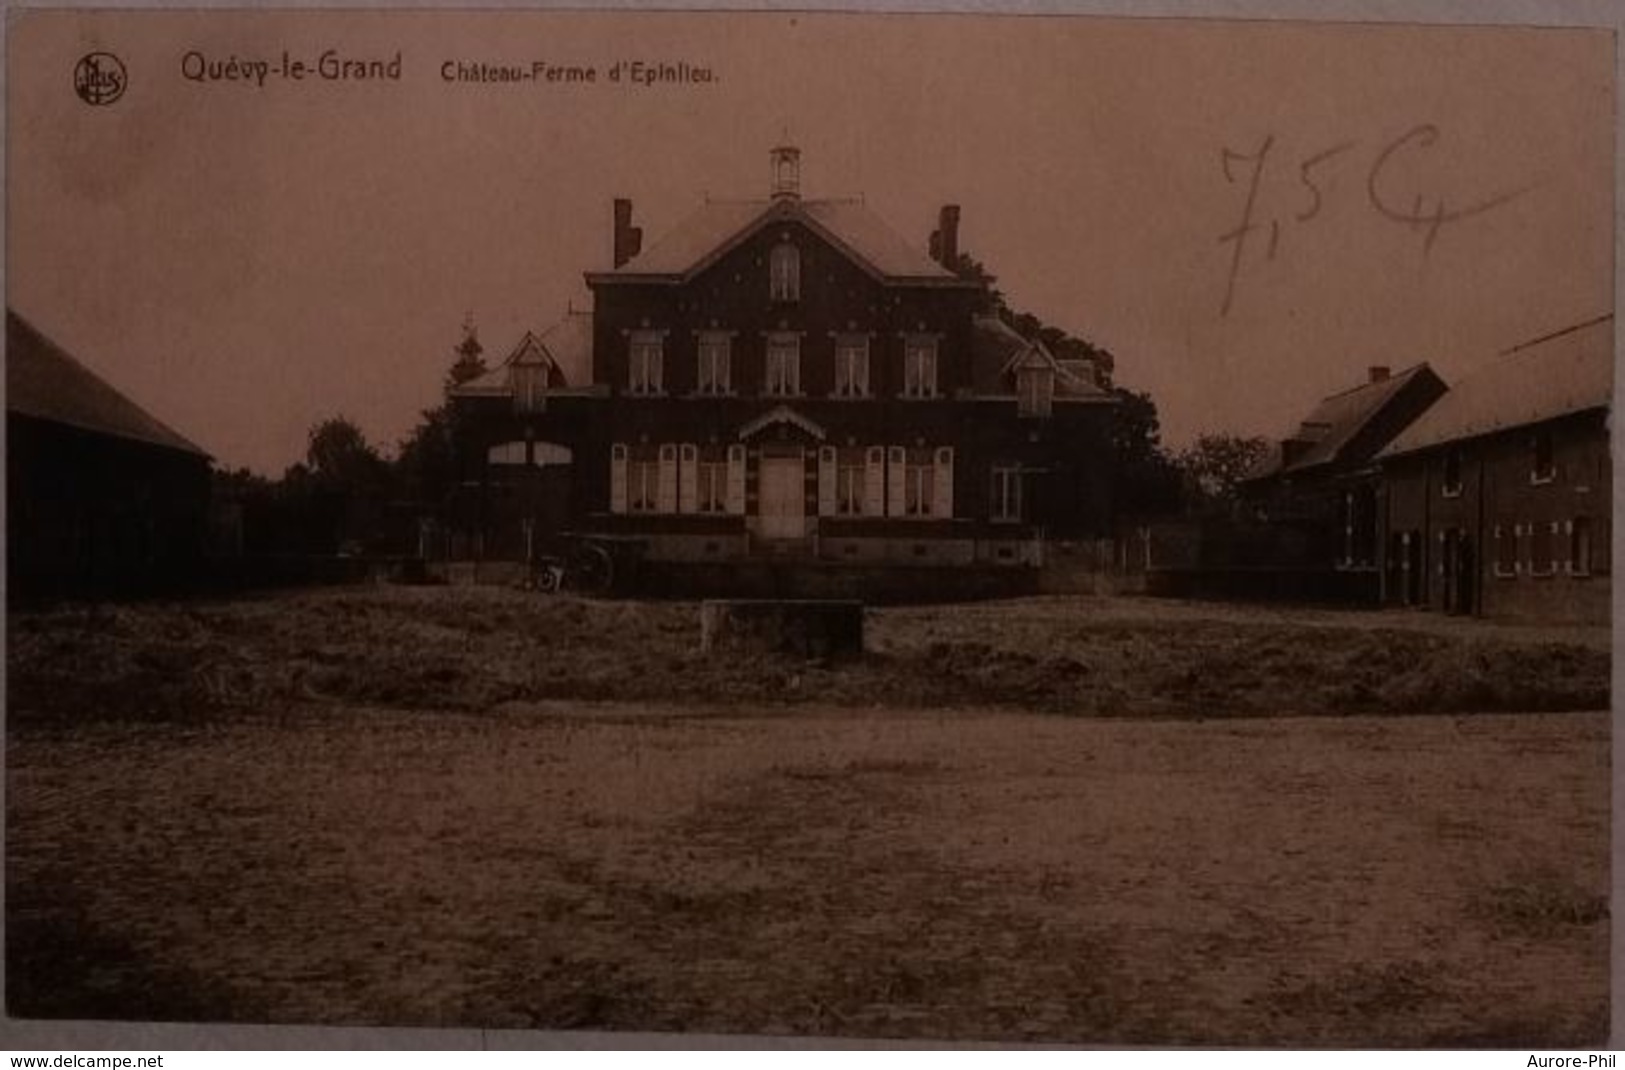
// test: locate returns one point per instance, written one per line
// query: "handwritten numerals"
(1240, 235)
(1306, 171)
(1429, 216)
(1425, 213)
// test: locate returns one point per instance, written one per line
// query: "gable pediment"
(783, 418)
(530, 351)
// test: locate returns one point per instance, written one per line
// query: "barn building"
(787, 379)
(1320, 490)
(101, 496)
(1497, 500)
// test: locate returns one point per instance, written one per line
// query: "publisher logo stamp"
(99, 78)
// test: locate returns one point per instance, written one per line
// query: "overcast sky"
(244, 260)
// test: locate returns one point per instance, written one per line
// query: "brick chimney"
(1378, 373)
(945, 239)
(628, 239)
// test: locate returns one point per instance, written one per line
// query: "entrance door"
(782, 498)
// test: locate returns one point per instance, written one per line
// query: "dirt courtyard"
(264, 831)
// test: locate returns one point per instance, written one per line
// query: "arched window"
(785, 272)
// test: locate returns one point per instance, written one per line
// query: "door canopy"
(783, 419)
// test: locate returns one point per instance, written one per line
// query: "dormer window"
(529, 382)
(784, 270)
(1035, 391)
(920, 366)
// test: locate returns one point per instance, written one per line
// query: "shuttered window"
(736, 480)
(617, 479)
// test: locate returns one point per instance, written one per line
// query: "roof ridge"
(1390, 378)
(119, 397)
(1555, 334)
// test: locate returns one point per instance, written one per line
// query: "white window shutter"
(617, 479)
(688, 478)
(894, 481)
(666, 489)
(942, 495)
(874, 482)
(826, 481)
(863, 370)
(736, 480)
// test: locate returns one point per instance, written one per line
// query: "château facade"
(788, 378)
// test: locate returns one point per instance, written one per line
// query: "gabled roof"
(44, 382)
(566, 345)
(1324, 435)
(718, 227)
(1558, 374)
(999, 345)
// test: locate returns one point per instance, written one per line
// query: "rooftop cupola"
(786, 173)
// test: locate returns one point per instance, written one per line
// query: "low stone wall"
(882, 584)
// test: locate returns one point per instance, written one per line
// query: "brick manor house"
(787, 378)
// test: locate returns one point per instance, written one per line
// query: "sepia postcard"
(821, 525)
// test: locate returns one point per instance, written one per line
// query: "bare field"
(276, 840)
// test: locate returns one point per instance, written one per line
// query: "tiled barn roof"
(1556, 375)
(1332, 424)
(44, 382)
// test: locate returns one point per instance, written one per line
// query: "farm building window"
(1506, 549)
(1450, 485)
(1035, 390)
(1542, 551)
(783, 365)
(646, 358)
(1544, 467)
(920, 366)
(1580, 546)
(1007, 494)
(784, 270)
(716, 358)
(852, 366)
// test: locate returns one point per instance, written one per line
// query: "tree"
(339, 458)
(426, 465)
(1145, 479)
(470, 360)
(1217, 462)
(1062, 345)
